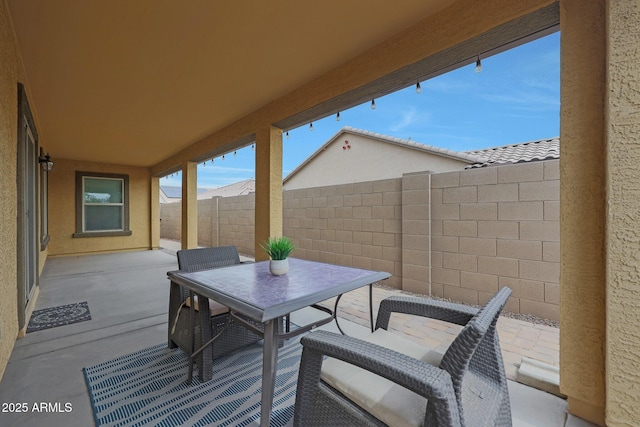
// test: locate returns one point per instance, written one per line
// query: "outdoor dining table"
(253, 292)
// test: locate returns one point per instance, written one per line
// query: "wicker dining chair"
(233, 335)
(389, 380)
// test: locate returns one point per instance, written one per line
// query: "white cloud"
(525, 100)
(410, 117)
(407, 118)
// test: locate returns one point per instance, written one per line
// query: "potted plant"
(278, 249)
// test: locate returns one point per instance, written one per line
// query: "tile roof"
(544, 149)
(236, 189)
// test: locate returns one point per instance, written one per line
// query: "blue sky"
(516, 98)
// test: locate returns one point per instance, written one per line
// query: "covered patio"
(127, 295)
(131, 92)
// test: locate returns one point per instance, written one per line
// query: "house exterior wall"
(368, 159)
(62, 210)
(623, 246)
(10, 74)
(459, 235)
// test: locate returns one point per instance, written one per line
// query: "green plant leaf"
(278, 248)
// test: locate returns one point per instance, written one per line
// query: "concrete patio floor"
(127, 294)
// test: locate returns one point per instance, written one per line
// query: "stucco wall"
(583, 179)
(62, 210)
(623, 218)
(367, 159)
(10, 75)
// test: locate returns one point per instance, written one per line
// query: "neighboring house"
(173, 194)
(236, 189)
(170, 194)
(354, 155)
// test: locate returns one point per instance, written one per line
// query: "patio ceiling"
(135, 82)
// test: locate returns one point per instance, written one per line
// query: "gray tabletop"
(252, 290)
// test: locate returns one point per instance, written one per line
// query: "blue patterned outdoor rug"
(149, 387)
(58, 316)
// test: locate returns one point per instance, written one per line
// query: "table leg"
(174, 307)
(335, 310)
(371, 306)
(192, 329)
(206, 357)
(269, 364)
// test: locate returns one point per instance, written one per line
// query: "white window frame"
(81, 204)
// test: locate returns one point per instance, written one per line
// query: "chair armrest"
(441, 310)
(422, 378)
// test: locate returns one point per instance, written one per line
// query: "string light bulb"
(287, 134)
(418, 88)
(311, 126)
(478, 65)
(235, 154)
(338, 116)
(373, 104)
(223, 157)
(253, 147)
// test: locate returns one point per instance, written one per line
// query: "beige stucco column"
(154, 211)
(189, 205)
(268, 187)
(583, 178)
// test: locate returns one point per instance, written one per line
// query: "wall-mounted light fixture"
(45, 163)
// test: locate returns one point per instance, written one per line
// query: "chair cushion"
(390, 403)
(215, 308)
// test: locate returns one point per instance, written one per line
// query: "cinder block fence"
(459, 235)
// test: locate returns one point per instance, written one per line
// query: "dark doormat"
(58, 316)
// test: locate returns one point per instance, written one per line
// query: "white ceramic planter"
(279, 267)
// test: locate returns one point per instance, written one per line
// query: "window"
(102, 205)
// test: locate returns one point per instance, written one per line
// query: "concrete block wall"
(459, 235)
(171, 221)
(208, 222)
(495, 227)
(416, 231)
(237, 222)
(355, 224)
